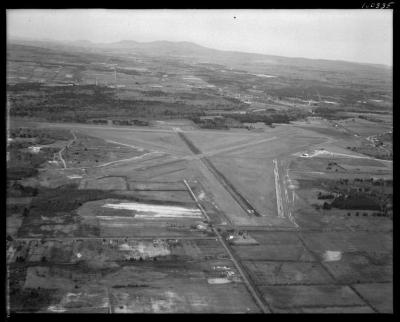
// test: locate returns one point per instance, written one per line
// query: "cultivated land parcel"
(138, 230)
(177, 216)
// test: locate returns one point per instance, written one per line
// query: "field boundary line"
(326, 269)
(110, 237)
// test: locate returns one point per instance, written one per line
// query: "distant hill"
(189, 49)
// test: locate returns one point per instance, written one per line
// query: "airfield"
(147, 219)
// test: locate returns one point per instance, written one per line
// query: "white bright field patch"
(145, 249)
(264, 75)
(218, 280)
(75, 176)
(56, 308)
(332, 256)
(34, 149)
(149, 211)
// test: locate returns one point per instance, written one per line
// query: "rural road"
(67, 146)
(252, 289)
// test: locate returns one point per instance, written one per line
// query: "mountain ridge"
(180, 46)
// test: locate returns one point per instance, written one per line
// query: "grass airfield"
(140, 230)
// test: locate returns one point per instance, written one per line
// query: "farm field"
(367, 128)
(316, 266)
(127, 276)
(150, 222)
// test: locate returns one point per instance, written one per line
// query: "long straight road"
(255, 293)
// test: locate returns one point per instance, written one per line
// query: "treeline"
(215, 124)
(24, 87)
(81, 103)
(22, 162)
(336, 113)
(355, 202)
(41, 136)
(371, 119)
(15, 189)
(18, 173)
(121, 122)
(85, 102)
(268, 118)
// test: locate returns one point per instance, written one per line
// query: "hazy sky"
(352, 35)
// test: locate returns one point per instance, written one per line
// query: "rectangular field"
(128, 276)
